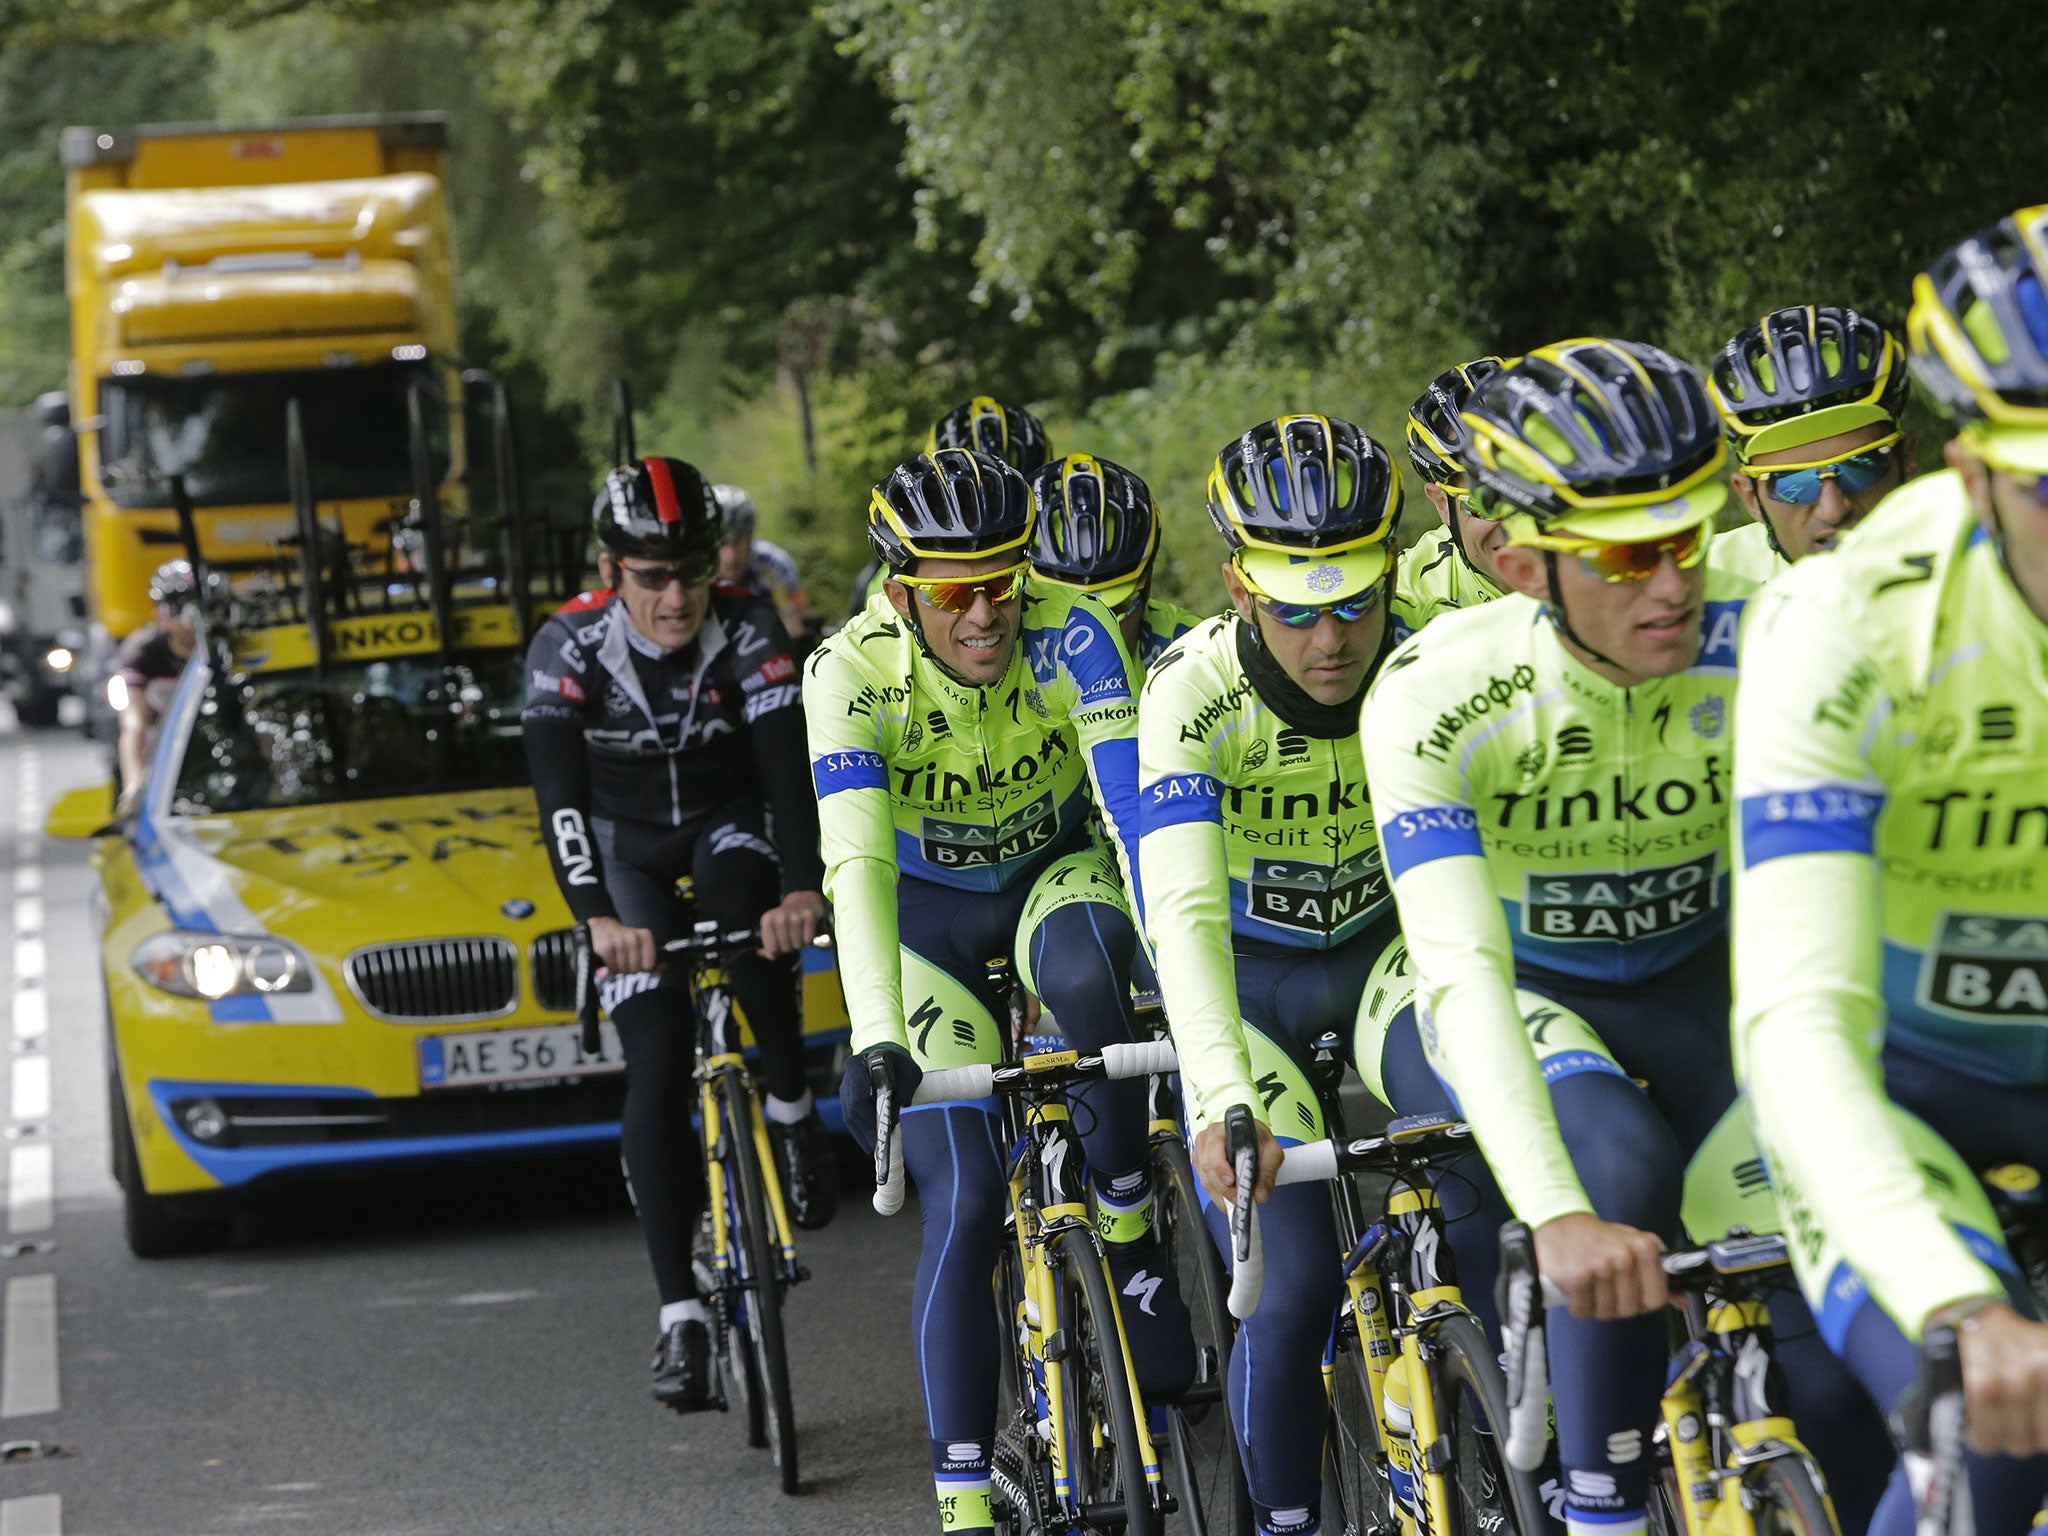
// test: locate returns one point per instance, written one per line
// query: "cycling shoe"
(682, 1369)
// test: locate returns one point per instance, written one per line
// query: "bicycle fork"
(720, 1049)
(1723, 1412)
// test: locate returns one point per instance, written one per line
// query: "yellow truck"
(216, 272)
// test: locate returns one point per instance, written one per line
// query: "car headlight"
(59, 658)
(215, 965)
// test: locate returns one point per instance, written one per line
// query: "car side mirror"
(81, 812)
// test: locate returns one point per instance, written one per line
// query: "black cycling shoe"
(1156, 1321)
(810, 1182)
(682, 1369)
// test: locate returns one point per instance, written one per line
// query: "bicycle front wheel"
(1788, 1500)
(754, 1240)
(1358, 1490)
(1208, 1476)
(1098, 1409)
(1487, 1496)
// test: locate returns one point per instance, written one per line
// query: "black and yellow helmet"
(1979, 324)
(1805, 373)
(1096, 524)
(1301, 483)
(1436, 433)
(950, 504)
(986, 425)
(1614, 435)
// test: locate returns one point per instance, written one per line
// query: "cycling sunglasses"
(1853, 474)
(657, 578)
(1308, 615)
(956, 596)
(1639, 562)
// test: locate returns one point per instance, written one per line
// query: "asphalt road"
(410, 1356)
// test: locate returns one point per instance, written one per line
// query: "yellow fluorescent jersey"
(1248, 828)
(1532, 810)
(1746, 551)
(1892, 770)
(1434, 579)
(968, 787)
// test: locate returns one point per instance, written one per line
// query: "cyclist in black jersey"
(666, 740)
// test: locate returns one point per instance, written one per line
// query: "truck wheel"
(158, 1226)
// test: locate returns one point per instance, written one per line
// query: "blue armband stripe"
(1178, 798)
(1434, 832)
(834, 771)
(1828, 818)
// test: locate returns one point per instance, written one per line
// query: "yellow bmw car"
(330, 934)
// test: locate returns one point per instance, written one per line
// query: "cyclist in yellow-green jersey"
(1457, 565)
(1810, 397)
(1891, 913)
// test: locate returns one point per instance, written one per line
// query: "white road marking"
(30, 961)
(31, 1192)
(39, 1515)
(28, 914)
(28, 880)
(30, 1099)
(28, 1348)
(31, 1014)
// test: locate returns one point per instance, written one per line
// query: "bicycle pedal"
(799, 1273)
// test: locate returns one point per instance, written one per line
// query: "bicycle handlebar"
(1406, 1139)
(1930, 1422)
(1143, 1058)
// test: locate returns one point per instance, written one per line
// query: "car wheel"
(158, 1226)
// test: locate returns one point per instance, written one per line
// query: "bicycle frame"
(1048, 1196)
(717, 1049)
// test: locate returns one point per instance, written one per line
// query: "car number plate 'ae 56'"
(479, 1057)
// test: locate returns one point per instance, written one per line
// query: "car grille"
(443, 979)
(271, 1121)
(553, 958)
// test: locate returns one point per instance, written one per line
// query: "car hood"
(423, 866)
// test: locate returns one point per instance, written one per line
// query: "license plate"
(482, 1056)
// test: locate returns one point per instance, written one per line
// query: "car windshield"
(365, 730)
(226, 432)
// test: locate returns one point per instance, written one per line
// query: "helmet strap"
(1555, 608)
(1770, 529)
(1458, 543)
(918, 636)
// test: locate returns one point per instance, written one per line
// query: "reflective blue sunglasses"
(1853, 474)
(1308, 615)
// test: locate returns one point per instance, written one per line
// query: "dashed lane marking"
(28, 1348)
(40, 1515)
(28, 880)
(29, 1098)
(31, 1191)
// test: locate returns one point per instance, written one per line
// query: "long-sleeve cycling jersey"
(967, 787)
(621, 730)
(1250, 828)
(1163, 624)
(1531, 809)
(1434, 579)
(1892, 773)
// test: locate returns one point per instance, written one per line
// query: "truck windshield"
(366, 730)
(225, 431)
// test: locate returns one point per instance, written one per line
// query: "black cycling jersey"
(622, 732)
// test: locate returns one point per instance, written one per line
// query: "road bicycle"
(1417, 1403)
(1729, 1458)
(746, 1259)
(1073, 1449)
(1201, 1452)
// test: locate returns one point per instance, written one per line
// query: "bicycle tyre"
(741, 1367)
(1103, 1462)
(1789, 1500)
(1488, 1495)
(1358, 1488)
(1207, 1471)
(1018, 1458)
(757, 1254)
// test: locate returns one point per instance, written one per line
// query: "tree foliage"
(1148, 217)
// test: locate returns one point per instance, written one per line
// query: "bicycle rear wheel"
(756, 1251)
(1207, 1475)
(1105, 1467)
(1789, 1500)
(1488, 1496)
